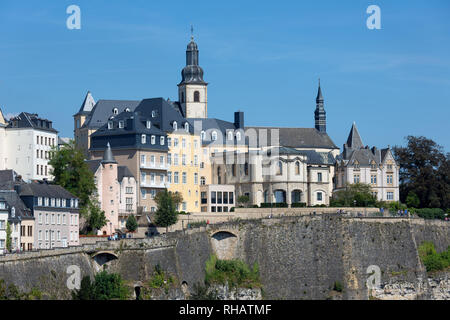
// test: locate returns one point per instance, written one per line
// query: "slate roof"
(8, 179)
(87, 105)
(354, 139)
(13, 200)
(31, 120)
(312, 156)
(103, 110)
(295, 138)
(122, 172)
(43, 189)
(93, 164)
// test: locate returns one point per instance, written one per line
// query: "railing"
(154, 166)
(163, 185)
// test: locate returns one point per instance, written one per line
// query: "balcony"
(154, 166)
(155, 185)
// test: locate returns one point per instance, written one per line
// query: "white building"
(359, 164)
(26, 142)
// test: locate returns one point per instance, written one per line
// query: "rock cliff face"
(310, 257)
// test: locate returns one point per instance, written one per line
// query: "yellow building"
(184, 173)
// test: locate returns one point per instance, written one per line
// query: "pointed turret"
(320, 114)
(354, 140)
(108, 156)
(88, 104)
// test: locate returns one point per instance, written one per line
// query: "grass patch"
(432, 260)
(234, 272)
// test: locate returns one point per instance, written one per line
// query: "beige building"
(377, 167)
(217, 198)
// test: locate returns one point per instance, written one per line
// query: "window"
(186, 127)
(175, 159)
(279, 168)
(152, 178)
(195, 178)
(153, 139)
(183, 159)
(184, 178)
(143, 139)
(202, 135)
(152, 160)
(161, 141)
(143, 194)
(373, 179)
(196, 96)
(115, 111)
(219, 197)
(233, 169)
(297, 168)
(143, 159)
(230, 197)
(169, 176)
(169, 142)
(175, 142)
(230, 135)
(149, 124)
(202, 181)
(175, 177)
(183, 143)
(110, 125)
(319, 177)
(129, 190)
(121, 124)
(40, 218)
(213, 197)
(390, 196)
(319, 196)
(175, 126)
(195, 160)
(389, 179)
(214, 136)
(356, 178)
(238, 136)
(169, 158)
(161, 161)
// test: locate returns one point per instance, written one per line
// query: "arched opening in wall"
(296, 196)
(196, 96)
(185, 288)
(224, 245)
(137, 292)
(104, 259)
(280, 196)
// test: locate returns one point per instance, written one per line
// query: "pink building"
(116, 191)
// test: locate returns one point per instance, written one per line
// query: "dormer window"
(202, 135)
(175, 126)
(143, 139)
(153, 139)
(186, 127)
(127, 110)
(110, 125)
(214, 136)
(230, 135)
(238, 136)
(13, 212)
(153, 113)
(149, 124)
(121, 124)
(161, 141)
(115, 111)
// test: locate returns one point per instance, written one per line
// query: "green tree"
(8, 237)
(72, 173)
(166, 214)
(424, 170)
(96, 217)
(243, 200)
(86, 291)
(412, 200)
(106, 286)
(358, 194)
(131, 224)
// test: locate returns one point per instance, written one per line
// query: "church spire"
(320, 114)
(192, 73)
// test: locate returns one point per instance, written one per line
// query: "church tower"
(320, 114)
(192, 90)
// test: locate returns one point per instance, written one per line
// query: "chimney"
(239, 120)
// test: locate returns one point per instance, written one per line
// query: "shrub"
(298, 205)
(104, 287)
(337, 286)
(234, 272)
(431, 213)
(432, 260)
(274, 205)
(232, 209)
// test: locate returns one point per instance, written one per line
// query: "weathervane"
(192, 32)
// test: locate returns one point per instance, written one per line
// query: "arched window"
(186, 127)
(279, 168)
(230, 135)
(202, 135)
(238, 136)
(143, 139)
(246, 168)
(149, 124)
(214, 136)
(297, 167)
(196, 96)
(115, 111)
(175, 126)
(127, 110)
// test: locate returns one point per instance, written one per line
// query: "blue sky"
(261, 57)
